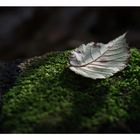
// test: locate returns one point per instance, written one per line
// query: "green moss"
(49, 98)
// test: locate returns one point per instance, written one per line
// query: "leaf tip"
(124, 35)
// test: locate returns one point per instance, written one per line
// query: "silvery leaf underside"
(98, 60)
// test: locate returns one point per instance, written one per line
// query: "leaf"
(98, 60)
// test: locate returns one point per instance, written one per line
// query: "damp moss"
(49, 98)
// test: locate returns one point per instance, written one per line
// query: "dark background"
(29, 31)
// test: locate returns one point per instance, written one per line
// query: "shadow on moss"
(80, 99)
(49, 98)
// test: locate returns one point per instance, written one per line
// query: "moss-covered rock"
(49, 98)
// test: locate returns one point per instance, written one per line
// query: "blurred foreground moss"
(49, 98)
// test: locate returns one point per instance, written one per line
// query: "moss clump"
(49, 98)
